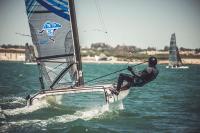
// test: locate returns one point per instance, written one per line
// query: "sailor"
(141, 78)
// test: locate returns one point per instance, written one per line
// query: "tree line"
(106, 47)
(15, 46)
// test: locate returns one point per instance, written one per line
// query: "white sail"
(57, 53)
(174, 56)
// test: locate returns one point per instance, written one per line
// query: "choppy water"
(171, 103)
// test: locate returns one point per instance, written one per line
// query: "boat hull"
(62, 96)
(178, 67)
(30, 63)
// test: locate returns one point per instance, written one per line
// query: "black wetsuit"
(138, 80)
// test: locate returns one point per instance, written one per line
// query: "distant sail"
(174, 56)
(29, 54)
(58, 55)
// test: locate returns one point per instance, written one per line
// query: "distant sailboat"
(29, 55)
(54, 33)
(101, 57)
(174, 56)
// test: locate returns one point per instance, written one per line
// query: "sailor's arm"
(131, 70)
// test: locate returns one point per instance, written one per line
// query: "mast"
(76, 42)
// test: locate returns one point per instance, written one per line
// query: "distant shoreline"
(19, 55)
(185, 61)
(14, 54)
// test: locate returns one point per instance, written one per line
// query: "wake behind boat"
(54, 33)
(175, 61)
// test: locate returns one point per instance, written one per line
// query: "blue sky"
(141, 23)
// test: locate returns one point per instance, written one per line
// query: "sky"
(141, 23)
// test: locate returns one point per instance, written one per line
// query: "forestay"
(53, 29)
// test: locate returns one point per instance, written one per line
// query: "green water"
(171, 103)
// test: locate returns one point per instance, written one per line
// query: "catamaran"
(54, 33)
(174, 56)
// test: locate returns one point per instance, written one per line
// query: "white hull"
(30, 63)
(55, 96)
(176, 67)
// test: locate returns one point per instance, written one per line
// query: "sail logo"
(50, 28)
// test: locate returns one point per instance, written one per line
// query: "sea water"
(171, 103)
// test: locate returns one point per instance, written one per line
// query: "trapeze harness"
(147, 75)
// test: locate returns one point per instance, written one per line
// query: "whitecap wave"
(95, 112)
(81, 114)
(85, 115)
(8, 100)
(26, 109)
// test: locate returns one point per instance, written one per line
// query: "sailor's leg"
(121, 79)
